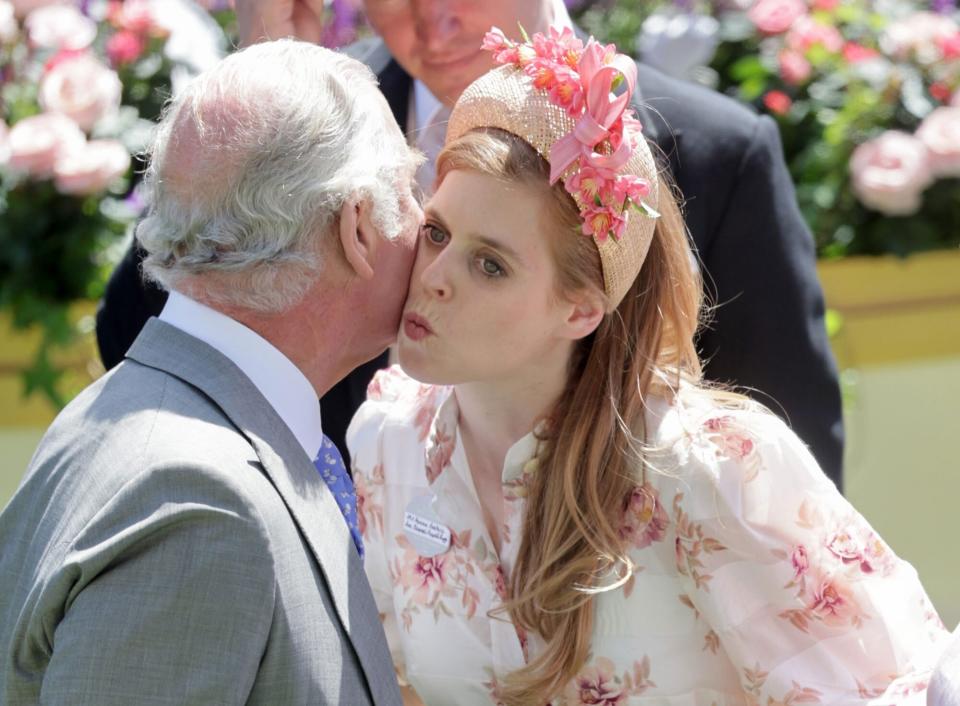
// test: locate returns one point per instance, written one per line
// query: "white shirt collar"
(281, 382)
(426, 105)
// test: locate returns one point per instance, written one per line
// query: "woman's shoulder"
(709, 436)
(398, 403)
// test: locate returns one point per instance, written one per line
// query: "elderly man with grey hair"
(185, 533)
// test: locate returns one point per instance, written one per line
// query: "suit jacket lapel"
(311, 505)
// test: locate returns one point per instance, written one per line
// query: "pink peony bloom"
(794, 67)
(125, 47)
(776, 16)
(60, 27)
(8, 23)
(777, 102)
(807, 33)
(25, 7)
(889, 173)
(91, 169)
(38, 142)
(940, 132)
(81, 88)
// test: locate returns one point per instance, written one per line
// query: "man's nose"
(438, 23)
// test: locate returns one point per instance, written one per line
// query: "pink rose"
(91, 169)
(36, 143)
(940, 132)
(125, 47)
(807, 33)
(889, 173)
(81, 88)
(8, 23)
(794, 67)
(776, 16)
(60, 27)
(777, 102)
(25, 7)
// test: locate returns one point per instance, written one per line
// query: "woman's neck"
(494, 415)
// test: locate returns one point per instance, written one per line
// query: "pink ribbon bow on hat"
(602, 110)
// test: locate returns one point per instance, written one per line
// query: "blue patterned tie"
(330, 464)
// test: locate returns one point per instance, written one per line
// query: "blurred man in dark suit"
(767, 333)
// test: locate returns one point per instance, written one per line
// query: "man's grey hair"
(251, 165)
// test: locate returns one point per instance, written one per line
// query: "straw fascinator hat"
(558, 94)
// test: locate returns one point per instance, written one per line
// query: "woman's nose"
(438, 23)
(434, 277)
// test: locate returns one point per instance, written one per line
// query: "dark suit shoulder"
(718, 122)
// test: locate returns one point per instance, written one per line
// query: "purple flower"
(943, 7)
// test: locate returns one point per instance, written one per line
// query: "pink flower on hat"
(580, 78)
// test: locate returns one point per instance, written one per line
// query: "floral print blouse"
(756, 582)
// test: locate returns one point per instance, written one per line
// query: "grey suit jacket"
(171, 543)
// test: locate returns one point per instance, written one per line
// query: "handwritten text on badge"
(428, 536)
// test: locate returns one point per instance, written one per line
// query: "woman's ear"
(357, 238)
(585, 314)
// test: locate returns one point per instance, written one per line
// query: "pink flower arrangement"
(82, 88)
(38, 142)
(940, 134)
(91, 169)
(776, 16)
(579, 78)
(890, 172)
(60, 27)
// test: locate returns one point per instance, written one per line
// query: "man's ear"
(357, 238)
(584, 315)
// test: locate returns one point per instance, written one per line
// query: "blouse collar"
(443, 444)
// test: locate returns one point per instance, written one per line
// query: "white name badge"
(423, 528)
